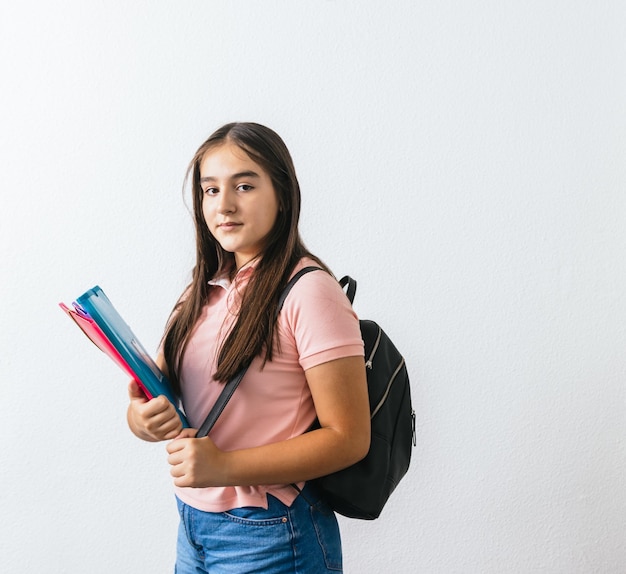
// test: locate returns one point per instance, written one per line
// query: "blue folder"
(101, 310)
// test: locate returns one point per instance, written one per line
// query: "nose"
(226, 203)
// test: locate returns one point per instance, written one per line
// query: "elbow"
(361, 444)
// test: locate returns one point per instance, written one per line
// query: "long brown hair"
(253, 331)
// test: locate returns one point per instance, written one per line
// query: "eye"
(211, 191)
(244, 187)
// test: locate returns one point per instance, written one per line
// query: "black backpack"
(362, 490)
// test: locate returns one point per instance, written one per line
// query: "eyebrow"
(238, 175)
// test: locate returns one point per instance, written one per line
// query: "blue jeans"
(300, 539)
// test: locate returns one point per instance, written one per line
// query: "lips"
(229, 225)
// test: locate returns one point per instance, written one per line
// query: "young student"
(240, 512)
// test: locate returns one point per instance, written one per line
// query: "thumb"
(187, 433)
(135, 392)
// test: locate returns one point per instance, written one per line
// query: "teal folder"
(97, 306)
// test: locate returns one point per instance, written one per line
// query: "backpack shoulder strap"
(230, 386)
(351, 283)
(292, 282)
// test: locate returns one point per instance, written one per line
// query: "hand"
(196, 462)
(152, 420)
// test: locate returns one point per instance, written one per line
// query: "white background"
(464, 161)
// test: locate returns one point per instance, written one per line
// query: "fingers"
(157, 406)
(178, 443)
(162, 423)
(178, 455)
(175, 452)
(155, 418)
(196, 462)
(183, 458)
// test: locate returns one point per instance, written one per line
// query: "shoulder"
(315, 279)
(320, 319)
(317, 291)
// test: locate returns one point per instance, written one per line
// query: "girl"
(239, 510)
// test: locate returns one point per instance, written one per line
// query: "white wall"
(465, 161)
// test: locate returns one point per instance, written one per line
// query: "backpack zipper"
(368, 363)
(384, 397)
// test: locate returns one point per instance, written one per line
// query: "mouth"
(228, 225)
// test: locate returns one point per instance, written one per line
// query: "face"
(239, 202)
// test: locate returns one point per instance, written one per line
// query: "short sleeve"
(321, 320)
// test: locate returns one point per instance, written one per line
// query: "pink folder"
(96, 336)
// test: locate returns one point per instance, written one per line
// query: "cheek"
(207, 213)
(271, 214)
(271, 217)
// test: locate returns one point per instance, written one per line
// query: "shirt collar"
(242, 276)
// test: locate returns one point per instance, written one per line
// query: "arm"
(155, 419)
(339, 391)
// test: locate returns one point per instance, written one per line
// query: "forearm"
(305, 457)
(339, 391)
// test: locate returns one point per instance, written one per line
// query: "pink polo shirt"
(317, 324)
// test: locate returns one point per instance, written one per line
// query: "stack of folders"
(99, 320)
